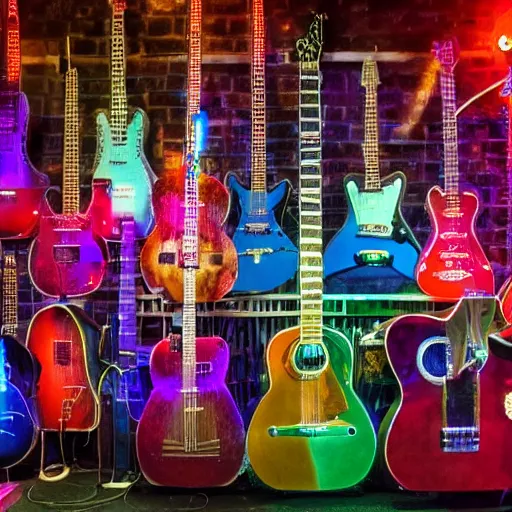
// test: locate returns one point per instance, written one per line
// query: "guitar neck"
(71, 185)
(194, 70)
(13, 46)
(509, 182)
(10, 296)
(118, 101)
(127, 299)
(310, 204)
(190, 260)
(371, 139)
(451, 155)
(258, 142)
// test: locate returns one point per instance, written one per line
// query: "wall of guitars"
(207, 250)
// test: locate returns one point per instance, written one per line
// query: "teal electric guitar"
(120, 157)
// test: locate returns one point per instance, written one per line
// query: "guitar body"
(412, 446)
(380, 210)
(71, 240)
(161, 256)
(161, 430)
(65, 342)
(310, 463)
(21, 186)
(505, 295)
(265, 260)
(18, 430)
(126, 167)
(439, 273)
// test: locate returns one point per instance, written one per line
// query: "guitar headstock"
(370, 73)
(447, 53)
(309, 47)
(119, 6)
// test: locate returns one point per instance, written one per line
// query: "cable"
(61, 504)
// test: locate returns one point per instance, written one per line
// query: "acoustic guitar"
(266, 256)
(162, 255)
(68, 259)
(375, 251)
(453, 261)
(18, 378)
(191, 433)
(310, 432)
(21, 186)
(455, 406)
(120, 158)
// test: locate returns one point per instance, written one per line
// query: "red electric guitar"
(65, 342)
(21, 186)
(452, 428)
(453, 261)
(68, 258)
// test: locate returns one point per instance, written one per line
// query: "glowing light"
(504, 43)
(13, 44)
(36, 212)
(508, 405)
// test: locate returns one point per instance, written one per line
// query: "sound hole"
(167, 258)
(66, 254)
(310, 357)
(62, 352)
(431, 359)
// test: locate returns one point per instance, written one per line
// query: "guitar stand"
(42, 470)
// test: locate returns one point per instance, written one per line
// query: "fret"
(127, 291)
(10, 295)
(13, 47)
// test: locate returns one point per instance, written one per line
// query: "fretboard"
(118, 101)
(10, 296)
(451, 155)
(371, 139)
(194, 69)
(13, 46)
(127, 299)
(190, 259)
(258, 145)
(71, 185)
(310, 204)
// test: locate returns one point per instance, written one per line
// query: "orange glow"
(504, 43)
(421, 99)
(13, 44)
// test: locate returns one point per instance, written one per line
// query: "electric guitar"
(120, 157)
(190, 433)
(21, 186)
(65, 342)
(455, 406)
(162, 254)
(18, 377)
(506, 289)
(375, 250)
(310, 432)
(453, 261)
(266, 256)
(68, 259)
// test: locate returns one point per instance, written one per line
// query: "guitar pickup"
(321, 430)
(167, 258)
(375, 258)
(67, 254)
(257, 228)
(453, 255)
(452, 275)
(374, 230)
(257, 253)
(8, 196)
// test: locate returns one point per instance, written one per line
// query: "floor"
(81, 487)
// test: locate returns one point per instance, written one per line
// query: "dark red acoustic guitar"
(453, 261)
(451, 429)
(68, 259)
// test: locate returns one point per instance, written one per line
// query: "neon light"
(504, 43)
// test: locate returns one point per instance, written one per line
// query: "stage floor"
(143, 497)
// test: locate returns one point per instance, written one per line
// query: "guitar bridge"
(374, 230)
(375, 258)
(172, 448)
(460, 439)
(257, 253)
(452, 275)
(331, 429)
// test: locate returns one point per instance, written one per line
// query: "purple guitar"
(21, 186)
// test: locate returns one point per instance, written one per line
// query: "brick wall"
(156, 47)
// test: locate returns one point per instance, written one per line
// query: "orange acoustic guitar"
(161, 258)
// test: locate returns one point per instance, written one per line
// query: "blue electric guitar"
(120, 156)
(18, 376)
(375, 251)
(266, 256)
